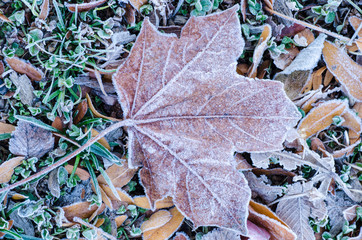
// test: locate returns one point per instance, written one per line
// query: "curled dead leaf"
(95, 112)
(143, 202)
(80, 110)
(321, 117)
(4, 18)
(81, 210)
(119, 175)
(7, 168)
(84, 7)
(122, 195)
(166, 230)
(44, 12)
(346, 71)
(157, 220)
(23, 67)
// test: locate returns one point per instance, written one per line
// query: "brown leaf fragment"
(358, 108)
(296, 75)
(119, 175)
(18, 196)
(321, 117)
(30, 141)
(4, 18)
(352, 121)
(80, 110)
(101, 141)
(317, 78)
(257, 233)
(81, 210)
(259, 50)
(157, 220)
(58, 123)
(347, 151)
(84, 7)
(44, 12)
(181, 236)
(130, 14)
(327, 78)
(307, 35)
(137, 4)
(6, 128)
(187, 113)
(143, 202)
(355, 22)
(120, 220)
(123, 195)
(24, 87)
(166, 230)
(350, 213)
(81, 173)
(346, 71)
(7, 168)
(95, 112)
(23, 67)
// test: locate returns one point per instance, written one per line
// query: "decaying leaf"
(345, 70)
(120, 220)
(137, 4)
(321, 117)
(122, 195)
(181, 236)
(4, 18)
(95, 112)
(353, 122)
(23, 87)
(30, 141)
(282, 61)
(143, 202)
(306, 36)
(157, 220)
(298, 72)
(6, 128)
(350, 213)
(80, 110)
(81, 173)
(81, 210)
(221, 234)
(119, 175)
(187, 113)
(101, 141)
(23, 67)
(259, 50)
(84, 7)
(257, 233)
(296, 210)
(166, 230)
(44, 10)
(264, 217)
(7, 168)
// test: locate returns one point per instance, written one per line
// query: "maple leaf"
(187, 111)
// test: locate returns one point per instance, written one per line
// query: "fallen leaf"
(347, 151)
(221, 234)
(4, 18)
(23, 67)
(81, 210)
(327, 78)
(355, 22)
(157, 220)
(101, 141)
(181, 236)
(351, 213)
(352, 121)
(23, 87)
(317, 78)
(120, 220)
(296, 75)
(30, 141)
(257, 233)
(95, 112)
(137, 4)
(53, 183)
(44, 12)
(264, 217)
(6, 128)
(130, 14)
(81, 173)
(259, 50)
(7, 168)
(307, 35)
(122, 195)
(80, 111)
(166, 230)
(143, 202)
(119, 175)
(321, 117)
(187, 113)
(18, 196)
(285, 59)
(84, 7)
(345, 70)
(58, 123)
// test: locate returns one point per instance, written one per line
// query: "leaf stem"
(68, 157)
(319, 29)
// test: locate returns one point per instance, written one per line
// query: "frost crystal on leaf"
(188, 111)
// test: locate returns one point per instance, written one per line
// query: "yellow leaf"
(166, 230)
(346, 71)
(143, 202)
(157, 220)
(7, 168)
(321, 117)
(119, 175)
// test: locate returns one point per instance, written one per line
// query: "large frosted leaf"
(187, 111)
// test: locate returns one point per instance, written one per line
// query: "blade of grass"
(94, 179)
(36, 122)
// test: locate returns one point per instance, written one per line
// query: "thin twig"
(68, 157)
(355, 34)
(79, 220)
(311, 26)
(67, 139)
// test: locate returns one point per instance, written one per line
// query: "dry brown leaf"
(4, 18)
(350, 213)
(120, 220)
(143, 202)
(242, 68)
(166, 230)
(6, 128)
(285, 59)
(81, 173)
(321, 117)
(355, 22)
(307, 34)
(187, 113)
(44, 12)
(137, 4)
(157, 220)
(30, 141)
(99, 222)
(259, 50)
(221, 234)
(7, 168)
(23, 67)
(58, 123)
(317, 78)
(327, 78)
(81, 210)
(119, 175)
(130, 15)
(352, 121)
(181, 236)
(84, 7)
(80, 110)
(101, 141)
(18, 196)
(347, 151)
(95, 112)
(122, 195)
(346, 71)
